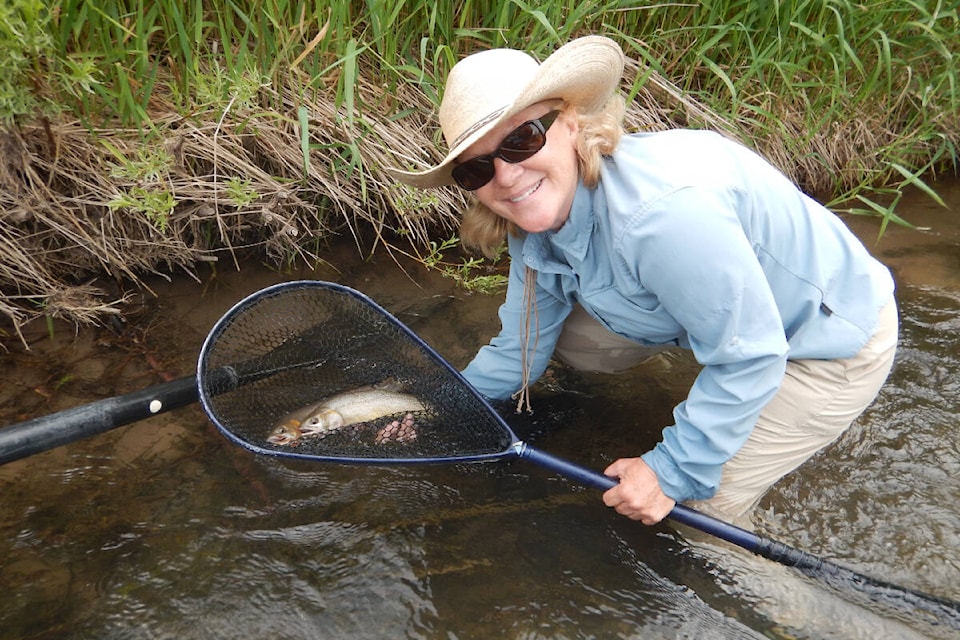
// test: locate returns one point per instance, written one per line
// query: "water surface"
(163, 529)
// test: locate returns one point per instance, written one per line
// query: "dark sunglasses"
(521, 143)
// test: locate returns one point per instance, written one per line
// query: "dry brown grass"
(61, 229)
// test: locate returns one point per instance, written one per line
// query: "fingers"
(638, 495)
(397, 431)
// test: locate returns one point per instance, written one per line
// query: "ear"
(568, 118)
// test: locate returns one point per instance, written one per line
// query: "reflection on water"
(164, 530)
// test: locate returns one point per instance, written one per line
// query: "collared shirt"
(693, 240)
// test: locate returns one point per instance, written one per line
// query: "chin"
(539, 227)
(538, 222)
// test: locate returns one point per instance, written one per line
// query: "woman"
(679, 238)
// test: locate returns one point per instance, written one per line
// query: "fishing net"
(292, 345)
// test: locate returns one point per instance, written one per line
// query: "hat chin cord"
(522, 396)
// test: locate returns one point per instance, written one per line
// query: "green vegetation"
(226, 124)
(471, 274)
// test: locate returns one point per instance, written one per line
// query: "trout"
(341, 410)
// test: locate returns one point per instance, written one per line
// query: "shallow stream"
(164, 529)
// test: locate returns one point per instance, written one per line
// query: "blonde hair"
(599, 134)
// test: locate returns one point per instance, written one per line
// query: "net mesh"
(293, 345)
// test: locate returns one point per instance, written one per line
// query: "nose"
(506, 173)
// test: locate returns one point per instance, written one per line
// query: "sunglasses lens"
(473, 174)
(522, 143)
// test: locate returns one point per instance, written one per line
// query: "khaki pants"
(817, 401)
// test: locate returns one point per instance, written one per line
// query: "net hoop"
(289, 345)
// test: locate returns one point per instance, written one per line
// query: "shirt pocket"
(797, 298)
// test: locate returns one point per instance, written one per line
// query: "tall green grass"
(891, 64)
(790, 69)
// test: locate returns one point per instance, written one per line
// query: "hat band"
(482, 122)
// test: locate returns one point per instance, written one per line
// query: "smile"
(527, 194)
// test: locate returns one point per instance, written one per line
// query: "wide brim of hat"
(584, 73)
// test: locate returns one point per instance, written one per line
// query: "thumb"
(614, 469)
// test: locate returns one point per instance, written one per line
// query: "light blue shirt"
(693, 240)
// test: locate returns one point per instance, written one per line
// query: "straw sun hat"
(491, 86)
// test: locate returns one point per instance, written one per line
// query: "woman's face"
(535, 194)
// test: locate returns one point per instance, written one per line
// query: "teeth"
(524, 196)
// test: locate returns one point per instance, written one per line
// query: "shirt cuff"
(673, 482)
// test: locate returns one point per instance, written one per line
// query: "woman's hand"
(638, 495)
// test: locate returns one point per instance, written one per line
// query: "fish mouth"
(280, 440)
(317, 430)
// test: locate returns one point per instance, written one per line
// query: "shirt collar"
(573, 238)
(549, 251)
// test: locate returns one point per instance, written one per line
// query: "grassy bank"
(152, 137)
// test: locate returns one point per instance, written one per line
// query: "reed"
(149, 136)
